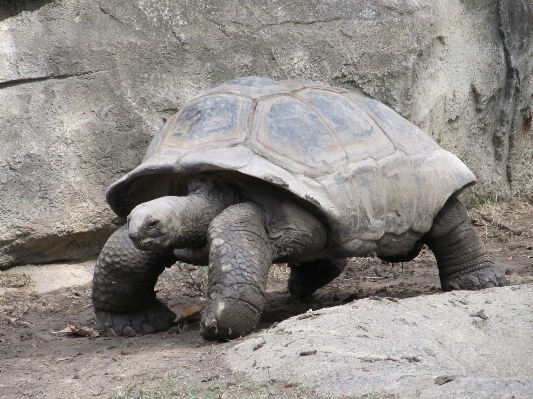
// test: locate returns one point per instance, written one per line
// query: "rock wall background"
(85, 84)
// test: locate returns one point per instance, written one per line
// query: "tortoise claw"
(153, 318)
(487, 277)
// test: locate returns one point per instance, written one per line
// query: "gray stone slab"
(47, 278)
(454, 345)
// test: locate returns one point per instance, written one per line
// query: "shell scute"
(356, 131)
(288, 131)
(403, 134)
(209, 119)
(367, 182)
(402, 192)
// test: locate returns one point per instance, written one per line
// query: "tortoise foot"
(153, 318)
(229, 319)
(487, 277)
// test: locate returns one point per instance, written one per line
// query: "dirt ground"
(35, 362)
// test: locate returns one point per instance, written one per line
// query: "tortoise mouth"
(147, 243)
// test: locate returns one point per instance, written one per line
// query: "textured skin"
(239, 258)
(169, 228)
(307, 277)
(295, 233)
(180, 222)
(154, 316)
(461, 256)
(195, 256)
(123, 287)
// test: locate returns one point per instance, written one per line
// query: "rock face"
(461, 344)
(84, 85)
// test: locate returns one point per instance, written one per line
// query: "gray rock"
(41, 279)
(84, 85)
(424, 347)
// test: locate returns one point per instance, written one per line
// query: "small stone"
(481, 314)
(210, 378)
(412, 359)
(430, 352)
(259, 345)
(443, 379)
(371, 358)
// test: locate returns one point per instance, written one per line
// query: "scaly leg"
(461, 257)
(307, 277)
(123, 287)
(240, 255)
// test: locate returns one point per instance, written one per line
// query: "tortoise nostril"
(133, 234)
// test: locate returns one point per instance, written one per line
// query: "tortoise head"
(153, 225)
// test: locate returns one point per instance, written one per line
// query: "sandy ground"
(38, 363)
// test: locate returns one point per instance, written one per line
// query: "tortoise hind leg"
(307, 277)
(123, 287)
(461, 257)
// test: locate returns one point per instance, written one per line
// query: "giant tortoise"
(255, 172)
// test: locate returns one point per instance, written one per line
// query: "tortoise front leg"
(461, 257)
(123, 287)
(240, 255)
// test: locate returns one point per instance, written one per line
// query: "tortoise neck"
(215, 190)
(208, 196)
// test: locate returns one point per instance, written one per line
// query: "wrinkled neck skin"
(180, 222)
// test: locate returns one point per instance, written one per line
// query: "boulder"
(461, 344)
(84, 85)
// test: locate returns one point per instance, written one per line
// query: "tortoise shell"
(376, 179)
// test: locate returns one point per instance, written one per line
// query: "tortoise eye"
(153, 224)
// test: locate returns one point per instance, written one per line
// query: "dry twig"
(500, 225)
